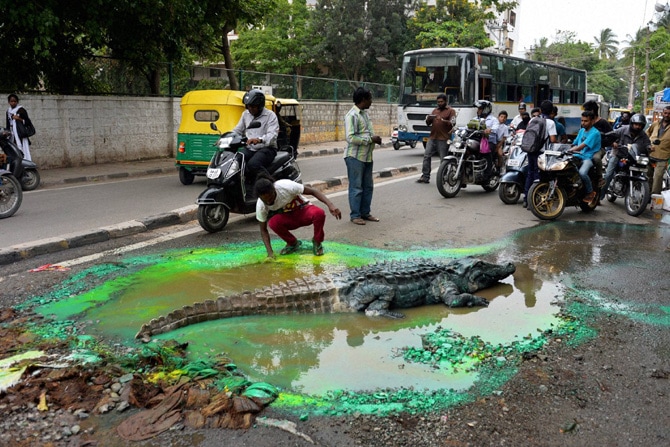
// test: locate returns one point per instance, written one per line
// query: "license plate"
(213, 173)
(514, 163)
(554, 153)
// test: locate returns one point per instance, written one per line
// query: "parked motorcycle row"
(16, 175)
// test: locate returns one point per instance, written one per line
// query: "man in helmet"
(627, 134)
(517, 119)
(261, 146)
(484, 109)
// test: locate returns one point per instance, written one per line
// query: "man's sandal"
(290, 248)
(317, 248)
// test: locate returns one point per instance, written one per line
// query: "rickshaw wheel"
(186, 177)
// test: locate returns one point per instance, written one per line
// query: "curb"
(20, 252)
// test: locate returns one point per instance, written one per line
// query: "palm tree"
(606, 45)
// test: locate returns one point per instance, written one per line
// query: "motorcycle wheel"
(493, 182)
(396, 145)
(543, 205)
(11, 195)
(509, 193)
(186, 177)
(447, 183)
(637, 198)
(412, 144)
(213, 218)
(30, 179)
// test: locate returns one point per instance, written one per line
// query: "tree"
(455, 23)
(606, 44)
(350, 37)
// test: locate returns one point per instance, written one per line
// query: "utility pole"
(631, 88)
(646, 74)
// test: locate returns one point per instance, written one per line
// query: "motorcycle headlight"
(642, 160)
(402, 128)
(233, 169)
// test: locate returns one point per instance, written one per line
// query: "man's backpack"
(534, 137)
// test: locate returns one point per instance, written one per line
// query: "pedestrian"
(17, 113)
(545, 110)
(261, 146)
(660, 149)
(441, 121)
(517, 119)
(361, 141)
(561, 134)
(282, 207)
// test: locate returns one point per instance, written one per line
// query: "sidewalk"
(111, 171)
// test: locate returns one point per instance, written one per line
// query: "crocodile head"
(478, 274)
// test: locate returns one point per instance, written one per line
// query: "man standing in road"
(358, 157)
(441, 121)
(659, 134)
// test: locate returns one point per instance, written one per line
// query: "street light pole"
(646, 74)
(631, 88)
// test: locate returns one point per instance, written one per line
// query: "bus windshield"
(426, 74)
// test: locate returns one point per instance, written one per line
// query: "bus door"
(485, 87)
(542, 92)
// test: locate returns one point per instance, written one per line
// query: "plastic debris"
(284, 425)
(49, 268)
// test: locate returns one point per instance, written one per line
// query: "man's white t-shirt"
(288, 198)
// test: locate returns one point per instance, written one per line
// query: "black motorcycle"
(465, 164)
(560, 184)
(227, 190)
(11, 194)
(513, 181)
(630, 181)
(24, 170)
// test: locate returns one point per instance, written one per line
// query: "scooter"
(24, 170)
(630, 182)
(513, 181)
(227, 191)
(11, 194)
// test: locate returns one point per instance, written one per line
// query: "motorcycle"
(513, 180)
(560, 184)
(630, 181)
(24, 170)
(397, 143)
(11, 194)
(465, 164)
(227, 191)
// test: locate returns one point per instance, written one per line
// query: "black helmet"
(522, 105)
(254, 97)
(485, 105)
(638, 118)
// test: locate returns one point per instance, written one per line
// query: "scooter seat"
(281, 158)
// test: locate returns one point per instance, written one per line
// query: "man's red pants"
(283, 223)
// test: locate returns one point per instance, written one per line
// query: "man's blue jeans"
(360, 187)
(584, 174)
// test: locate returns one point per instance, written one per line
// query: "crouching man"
(281, 206)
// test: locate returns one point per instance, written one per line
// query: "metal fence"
(113, 76)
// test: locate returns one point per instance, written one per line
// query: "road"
(63, 209)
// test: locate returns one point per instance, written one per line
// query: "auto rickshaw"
(196, 140)
(290, 113)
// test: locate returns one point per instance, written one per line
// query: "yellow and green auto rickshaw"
(195, 138)
(290, 114)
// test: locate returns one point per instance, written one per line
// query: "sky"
(541, 18)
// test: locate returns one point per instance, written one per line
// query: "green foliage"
(606, 44)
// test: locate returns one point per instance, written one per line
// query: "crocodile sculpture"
(375, 289)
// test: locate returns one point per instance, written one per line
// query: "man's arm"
(322, 198)
(265, 235)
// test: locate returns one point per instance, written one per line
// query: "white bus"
(468, 74)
